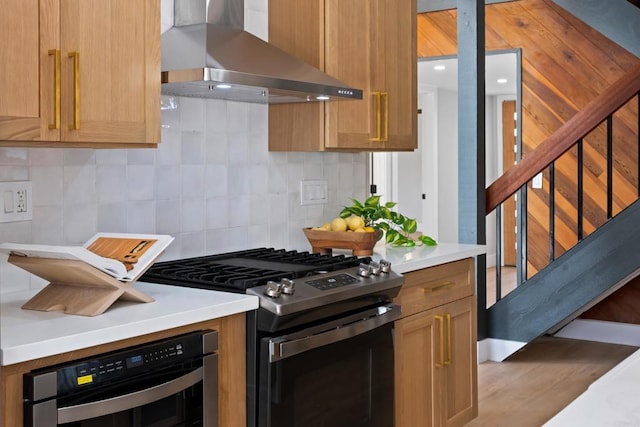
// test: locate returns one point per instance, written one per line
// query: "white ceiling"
(496, 66)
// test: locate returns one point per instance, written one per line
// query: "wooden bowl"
(361, 244)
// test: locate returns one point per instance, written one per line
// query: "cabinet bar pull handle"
(378, 97)
(56, 88)
(440, 286)
(440, 320)
(386, 116)
(76, 90)
(449, 358)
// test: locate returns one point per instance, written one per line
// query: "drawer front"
(431, 287)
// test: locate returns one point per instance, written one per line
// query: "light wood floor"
(534, 384)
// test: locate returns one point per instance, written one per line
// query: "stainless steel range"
(320, 345)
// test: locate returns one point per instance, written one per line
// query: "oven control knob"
(375, 268)
(385, 266)
(273, 289)
(364, 270)
(288, 287)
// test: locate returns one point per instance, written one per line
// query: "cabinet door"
(349, 34)
(396, 73)
(457, 382)
(416, 342)
(28, 29)
(110, 70)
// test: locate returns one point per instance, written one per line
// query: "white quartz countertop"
(404, 260)
(612, 400)
(28, 334)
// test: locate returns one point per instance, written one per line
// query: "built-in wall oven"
(320, 345)
(168, 383)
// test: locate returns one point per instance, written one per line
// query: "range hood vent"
(207, 54)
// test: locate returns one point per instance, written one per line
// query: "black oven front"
(168, 383)
(337, 374)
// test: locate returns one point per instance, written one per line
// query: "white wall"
(448, 166)
(211, 183)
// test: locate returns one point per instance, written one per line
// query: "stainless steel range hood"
(207, 54)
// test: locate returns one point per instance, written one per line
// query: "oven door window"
(346, 383)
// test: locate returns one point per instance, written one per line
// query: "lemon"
(326, 226)
(354, 222)
(338, 224)
(369, 229)
(359, 230)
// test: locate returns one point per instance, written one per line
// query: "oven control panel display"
(332, 282)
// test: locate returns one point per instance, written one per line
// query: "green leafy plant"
(398, 229)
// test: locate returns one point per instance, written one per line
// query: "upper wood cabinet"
(80, 73)
(367, 44)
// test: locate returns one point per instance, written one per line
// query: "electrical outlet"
(16, 201)
(21, 201)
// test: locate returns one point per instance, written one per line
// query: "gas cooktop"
(241, 270)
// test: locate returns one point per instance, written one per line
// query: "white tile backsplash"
(211, 183)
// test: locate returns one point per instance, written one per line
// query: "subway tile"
(192, 114)
(47, 225)
(141, 216)
(216, 149)
(238, 211)
(258, 179)
(192, 214)
(141, 156)
(111, 157)
(14, 156)
(112, 184)
(80, 222)
(192, 181)
(46, 157)
(216, 116)
(79, 184)
(192, 244)
(78, 157)
(217, 213)
(141, 182)
(14, 173)
(166, 213)
(168, 182)
(192, 147)
(47, 184)
(113, 217)
(238, 180)
(238, 117)
(238, 148)
(215, 180)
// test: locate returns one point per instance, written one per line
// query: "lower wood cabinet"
(231, 369)
(436, 354)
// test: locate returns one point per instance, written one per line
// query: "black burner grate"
(238, 271)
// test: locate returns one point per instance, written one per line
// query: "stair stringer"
(591, 270)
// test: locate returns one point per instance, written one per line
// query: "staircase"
(602, 260)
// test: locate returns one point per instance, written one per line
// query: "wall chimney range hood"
(207, 54)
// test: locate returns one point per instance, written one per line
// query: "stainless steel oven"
(338, 373)
(167, 383)
(320, 345)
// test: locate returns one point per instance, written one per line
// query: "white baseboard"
(497, 350)
(602, 331)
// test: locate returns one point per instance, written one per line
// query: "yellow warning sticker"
(85, 379)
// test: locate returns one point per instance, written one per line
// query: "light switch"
(7, 197)
(313, 192)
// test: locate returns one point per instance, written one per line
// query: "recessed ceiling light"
(223, 86)
(502, 81)
(439, 67)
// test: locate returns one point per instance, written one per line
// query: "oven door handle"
(300, 342)
(128, 401)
